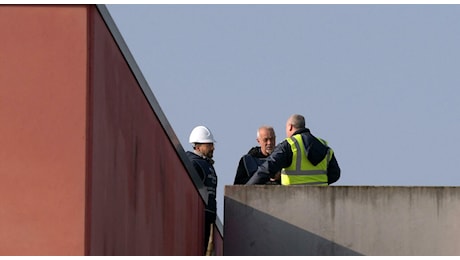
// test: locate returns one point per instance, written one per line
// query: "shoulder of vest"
(322, 141)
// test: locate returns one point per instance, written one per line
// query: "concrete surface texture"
(341, 220)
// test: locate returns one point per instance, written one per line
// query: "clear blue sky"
(380, 83)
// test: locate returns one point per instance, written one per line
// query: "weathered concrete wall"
(341, 220)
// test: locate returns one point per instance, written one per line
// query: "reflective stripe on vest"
(301, 170)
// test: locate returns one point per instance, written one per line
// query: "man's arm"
(198, 170)
(261, 176)
(333, 170)
(241, 176)
(280, 158)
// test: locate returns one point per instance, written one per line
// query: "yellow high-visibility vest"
(301, 170)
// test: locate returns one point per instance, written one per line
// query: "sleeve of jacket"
(280, 158)
(241, 176)
(198, 170)
(333, 170)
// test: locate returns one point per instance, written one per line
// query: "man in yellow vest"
(301, 157)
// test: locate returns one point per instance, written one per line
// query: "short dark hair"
(298, 121)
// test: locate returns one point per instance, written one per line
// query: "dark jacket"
(282, 158)
(208, 176)
(248, 165)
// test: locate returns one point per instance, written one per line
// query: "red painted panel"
(218, 243)
(42, 133)
(141, 200)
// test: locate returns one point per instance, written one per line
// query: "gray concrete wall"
(341, 220)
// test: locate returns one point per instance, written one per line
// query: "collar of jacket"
(301, 131)
(204, 157)
(256, 151)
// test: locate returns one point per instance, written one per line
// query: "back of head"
(297, 121)
(294, 123)
(201, 134)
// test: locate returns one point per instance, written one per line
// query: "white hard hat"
(201, 134)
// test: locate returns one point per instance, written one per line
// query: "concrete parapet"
(341, 220)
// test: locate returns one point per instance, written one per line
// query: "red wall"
(43, 95)
(142, 199)
(87, 167)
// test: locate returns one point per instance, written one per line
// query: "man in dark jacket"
(302, 158)
(202, 142)
(256, 156)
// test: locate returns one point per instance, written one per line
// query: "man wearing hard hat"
(202, 142)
